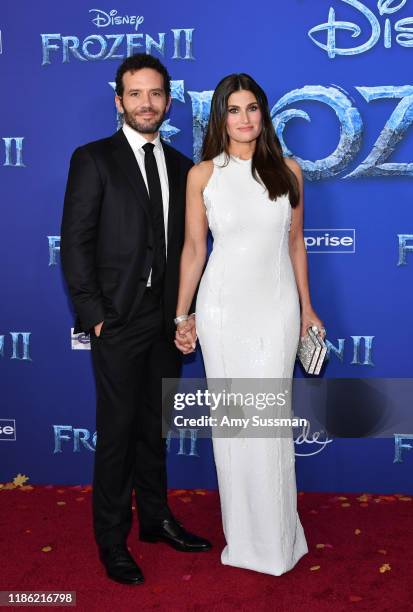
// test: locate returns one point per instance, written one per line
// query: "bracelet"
(180, 318)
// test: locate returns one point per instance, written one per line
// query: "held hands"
(185, 336)
(310, 318)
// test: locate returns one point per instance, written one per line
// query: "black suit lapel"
(172, 167)
(126, 159)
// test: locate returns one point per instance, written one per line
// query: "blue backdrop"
(336, 75)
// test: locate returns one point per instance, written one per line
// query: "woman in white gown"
(248, 310)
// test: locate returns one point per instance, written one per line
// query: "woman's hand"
(185, 336)
(308, 319)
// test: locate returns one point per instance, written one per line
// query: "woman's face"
(244, 120)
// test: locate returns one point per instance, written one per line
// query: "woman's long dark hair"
(267, 162)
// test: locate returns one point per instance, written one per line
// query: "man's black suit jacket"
(106, 235)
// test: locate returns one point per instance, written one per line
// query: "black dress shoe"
(120, 565)
(174, 534)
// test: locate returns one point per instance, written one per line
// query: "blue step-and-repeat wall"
(338, 78)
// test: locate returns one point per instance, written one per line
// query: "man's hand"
(97, 328)
(185, 336)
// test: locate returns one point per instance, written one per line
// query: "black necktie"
(155, 197)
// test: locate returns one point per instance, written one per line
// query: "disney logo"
(103, 19)
(319, 438)
(402, 27)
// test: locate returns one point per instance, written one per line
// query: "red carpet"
(361, 556)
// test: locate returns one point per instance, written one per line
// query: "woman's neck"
(243, 150)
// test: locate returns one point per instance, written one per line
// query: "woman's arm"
(194, 251)
(298, 256)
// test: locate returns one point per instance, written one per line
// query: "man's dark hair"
(137, 62)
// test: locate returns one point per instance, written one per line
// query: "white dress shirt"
(137, 141)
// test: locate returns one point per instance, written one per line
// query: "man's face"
(144, 102)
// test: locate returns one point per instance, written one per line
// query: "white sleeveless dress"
(248, 325)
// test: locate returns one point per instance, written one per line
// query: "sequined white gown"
(248, 324)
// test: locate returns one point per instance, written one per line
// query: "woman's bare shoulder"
(294, 166)
(200, 174)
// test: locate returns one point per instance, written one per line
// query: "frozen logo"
(101, 19)
(403, 28)
(404, 248)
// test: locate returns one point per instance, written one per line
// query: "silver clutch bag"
(312, 351)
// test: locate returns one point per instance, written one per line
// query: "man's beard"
(147, 127)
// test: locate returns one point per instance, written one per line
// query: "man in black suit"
(121, 240)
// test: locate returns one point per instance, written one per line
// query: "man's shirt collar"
(137, 141)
